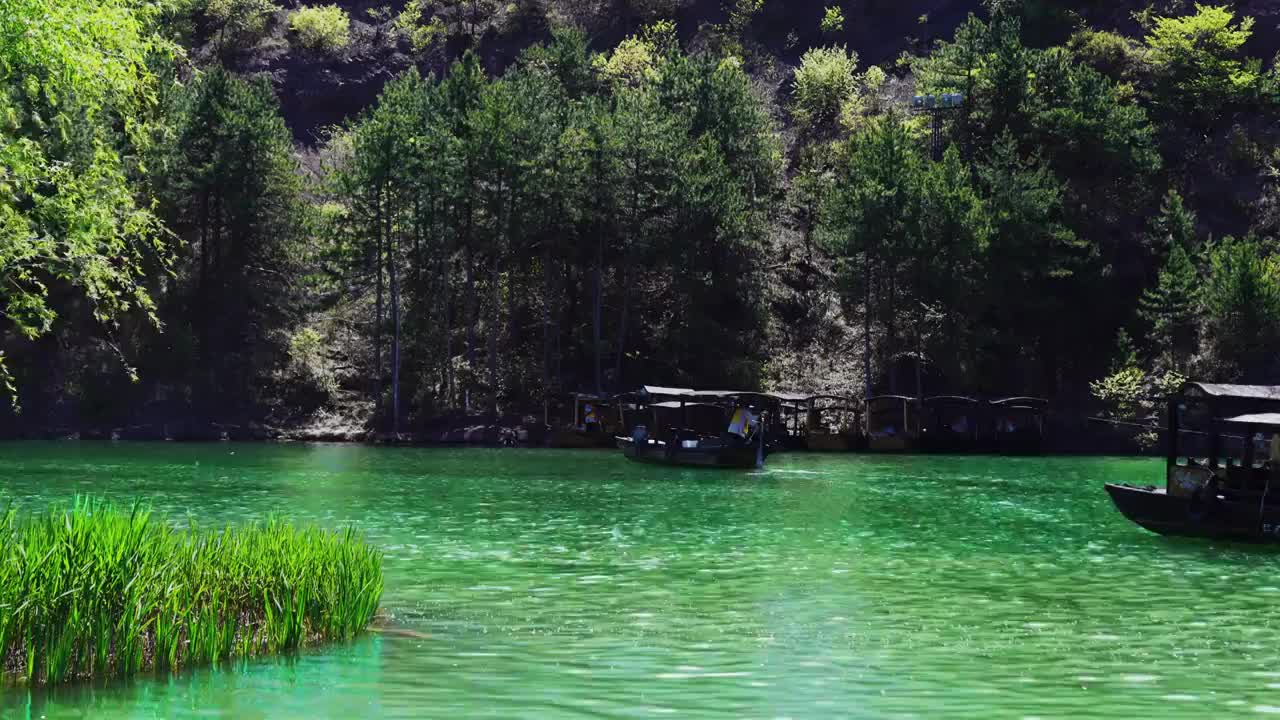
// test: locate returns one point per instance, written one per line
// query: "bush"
(823, 83)
(1122, 391)
(1112, 55)
(97, 591)
(833, 20)
(242, 21)
(324, 27)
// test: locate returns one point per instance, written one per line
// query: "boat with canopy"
(951, 424)
(1019, 425)
(893, 423)
(594, 424)
(832, 424)
(1222, 467)
(699, 428)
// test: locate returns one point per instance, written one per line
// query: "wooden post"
(760, 446)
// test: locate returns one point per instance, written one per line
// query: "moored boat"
(951, 424)
(1219, 476)
(1019, 425)
(594, 423)
(892, 423)
(831, 424)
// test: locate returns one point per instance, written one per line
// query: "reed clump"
(102, 591)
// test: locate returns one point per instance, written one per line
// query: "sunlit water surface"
(576, 584)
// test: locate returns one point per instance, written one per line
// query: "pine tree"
(1170, 308)
(230, 187)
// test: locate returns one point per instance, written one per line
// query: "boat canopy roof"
(1028, 402)
(672, 392)
(1257, 420)
(666, 391)
(676, 404)
(592, 397)
(1234, 392)
(950, 399)
(881, 398)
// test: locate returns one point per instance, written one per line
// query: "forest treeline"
(1094, 221)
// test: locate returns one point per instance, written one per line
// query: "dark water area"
(576, 584)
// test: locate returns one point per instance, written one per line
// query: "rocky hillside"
(318, 89)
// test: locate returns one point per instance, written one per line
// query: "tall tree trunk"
(392, 261)
(597, 310)
(495, 295)
(866, 324)
(920, 295)
(622, 326)
(546, 328)
(469, 270)
(377, 312)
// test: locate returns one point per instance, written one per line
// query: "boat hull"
(890, 444)
(1020, 443)
(827, 442)
(947, 443)
(740, 458)
(1190, 516)
(572, 439)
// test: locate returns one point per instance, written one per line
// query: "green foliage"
(323, 27)
(238, 23)
(823, 84)
(97, 592)
(601, 189)
(76, 101)
(1196, 60)
(1122, 391)
(1175, 225)
(833, 20)
(229, 186)
(1240, 304)
(1113, 55)
(427, 22)
(1170, 307)
(632, 62)
(1126, 353)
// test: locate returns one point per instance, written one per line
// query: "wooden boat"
(786, 430)
(892, 423)
(831, 423)
(593, 424)
(1019, 425)
(1217, 484)
(706, 452)
(951, 424)
(689, 429)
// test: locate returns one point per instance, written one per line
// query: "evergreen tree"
(1031, 264)
(1174, 226)
(230, 188)
(1169, 308)
(1240, 304)
(867, 222)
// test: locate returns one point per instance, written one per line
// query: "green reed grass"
(102, 591)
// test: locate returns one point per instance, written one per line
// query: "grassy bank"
(101, 591)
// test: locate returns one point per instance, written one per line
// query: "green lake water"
(576, 584)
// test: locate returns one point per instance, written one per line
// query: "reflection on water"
(575, 584)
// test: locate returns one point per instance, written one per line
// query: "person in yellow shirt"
(743, 423)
